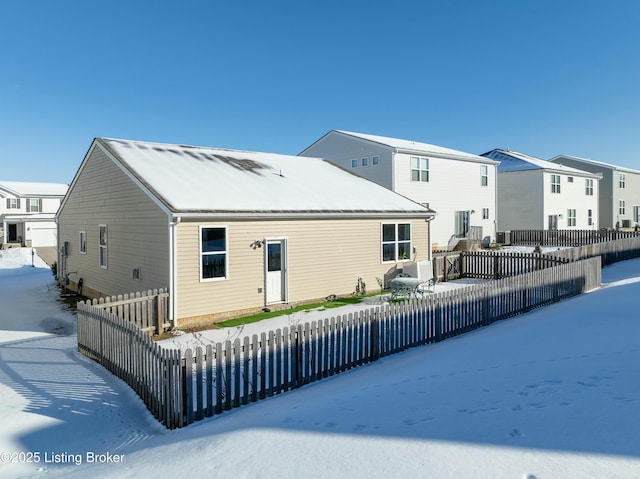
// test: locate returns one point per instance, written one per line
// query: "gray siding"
(340, 149)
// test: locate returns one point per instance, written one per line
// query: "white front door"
(276, 271)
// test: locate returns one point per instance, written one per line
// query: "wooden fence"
(567, 237)
(610, 251)
(490, 264)
(147, 309)
(180, 388)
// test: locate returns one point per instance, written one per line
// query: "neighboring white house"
(537, 194)
(459, 186)
(619, 205)
(27, 213)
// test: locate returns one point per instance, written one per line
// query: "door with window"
(276, 271)
(553, 222)
(463, 219)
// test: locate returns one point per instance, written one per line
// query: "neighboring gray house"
(537, 194)
(619, 205)
(229, 232)
(459, 186)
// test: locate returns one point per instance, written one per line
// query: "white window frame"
(571, 217)
(396, 242)
(588, 185)
(555, 183)
(365, 161)
(419, 166)
(13, 203)
(622, 180)
(224, 252)
(636, 213)
(622, 207)
(34, 205)
(484, 175)
(103, 246)
(354, 163)
(485, 213)
(375, 160)
(82, 242)
(589, 217)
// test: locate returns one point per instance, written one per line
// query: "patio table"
(405, 287)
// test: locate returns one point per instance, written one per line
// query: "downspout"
(173, 304)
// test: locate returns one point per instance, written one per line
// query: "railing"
(567, 237)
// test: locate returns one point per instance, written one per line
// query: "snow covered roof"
(417, 147)
(18, 188)
(191, 179)
(514, 161)
(558, 160)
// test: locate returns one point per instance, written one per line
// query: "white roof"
(213, 180)
(558, 159)
(19, 188)
(418, 147)
(514, 161)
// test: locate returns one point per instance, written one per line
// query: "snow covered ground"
(554, 394)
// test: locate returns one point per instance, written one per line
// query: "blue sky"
(542, 77)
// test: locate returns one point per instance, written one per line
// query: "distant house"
(459, 186)
(27, 213)
(229, 232)
(538, 194)
(619, 203)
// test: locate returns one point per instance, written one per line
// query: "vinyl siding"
(454, 185)
(325, 256)
(571, 196)
(341, 149)
(520, 196)
(137, 231)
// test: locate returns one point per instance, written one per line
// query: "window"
(485, 213)
(571, 217)
(636, 214)
(102, 246)
(34, 205)
(83, 242)
(570, 179)
(13, 203)
(375, 160)
(589, 217)
(588, 184)
(621, 207)
(484, 175)
(622, 180)
(213, 253)
(365, 161)
(354, 163)
(419, 169)
(396, 242)
(555, 183)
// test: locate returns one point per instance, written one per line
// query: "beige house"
(229, 232)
